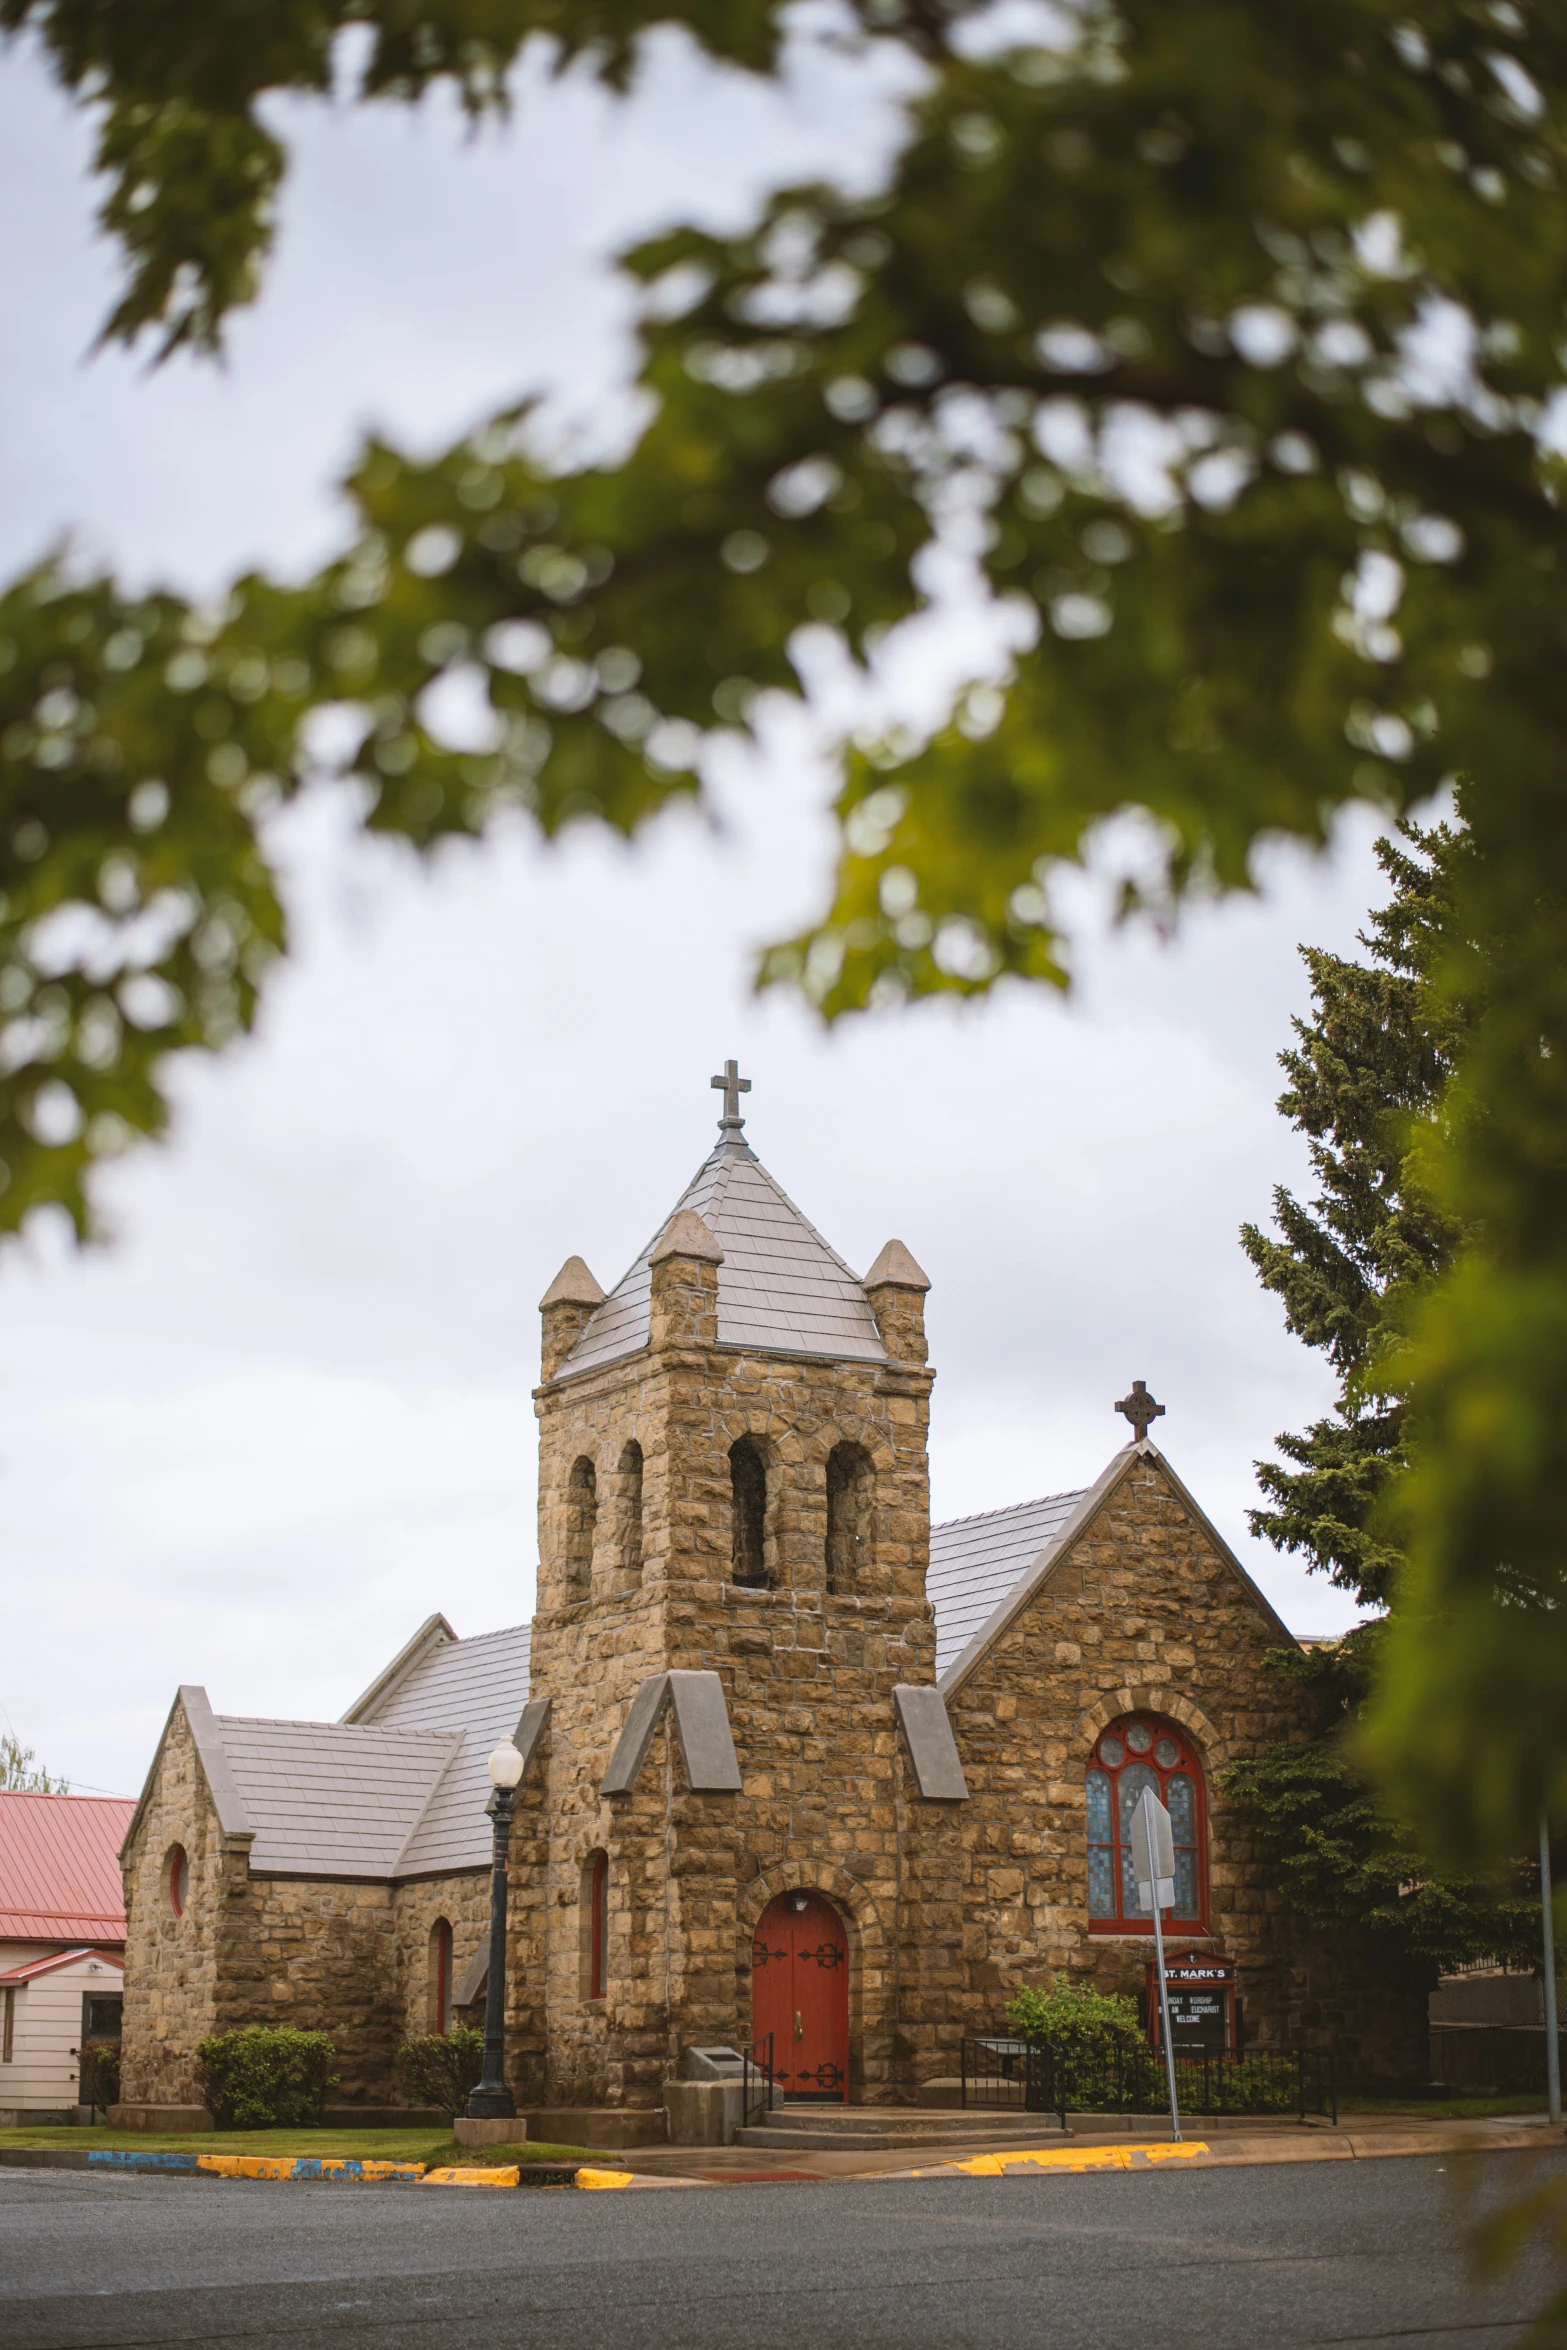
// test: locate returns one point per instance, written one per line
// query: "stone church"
(797, 1761)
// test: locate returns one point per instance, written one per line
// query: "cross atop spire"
(731, 1085)
(1138, 1407)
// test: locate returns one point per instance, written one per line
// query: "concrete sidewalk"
(1362, 2137)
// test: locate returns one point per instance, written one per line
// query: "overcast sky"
(287, 1412)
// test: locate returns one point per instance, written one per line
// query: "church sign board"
(1202, 2002)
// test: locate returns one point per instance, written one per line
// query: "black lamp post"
(492, 2100)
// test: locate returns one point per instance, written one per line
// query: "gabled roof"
(780, 1287)
(398, 1788)
(59, 1867)
(57, 1959)
(976, 1562)
(1077, 1509)
(328, 1800)
(477, 1689)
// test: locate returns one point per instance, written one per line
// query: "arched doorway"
(800, 1993)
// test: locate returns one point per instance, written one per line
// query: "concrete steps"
(825, 2129)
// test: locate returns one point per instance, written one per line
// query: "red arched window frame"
(441, 1972)
(1133, 1752)
(598, 1924)
(178, 1872)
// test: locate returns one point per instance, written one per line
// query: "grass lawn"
(1445, 2109)
(429, 2147)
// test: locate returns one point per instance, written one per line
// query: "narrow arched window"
(582, 1511)
(440, 1998)
(631, 1510)
(748, 1495)
(595, 1924)
(176, 1879)
(1138, 1751)
(848, 1516)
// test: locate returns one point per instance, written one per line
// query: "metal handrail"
(756, 2079)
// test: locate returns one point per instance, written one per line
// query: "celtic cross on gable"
(1139, 1407)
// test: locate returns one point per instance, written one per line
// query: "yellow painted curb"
(459, 2175)
(1068, 2158)
(303, 2167)
(604, 2178)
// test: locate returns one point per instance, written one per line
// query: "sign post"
(1153, 1869)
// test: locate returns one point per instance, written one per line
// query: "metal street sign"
(1153, 1853)
(1153, 1871)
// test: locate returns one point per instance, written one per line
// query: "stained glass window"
(1135, 1752)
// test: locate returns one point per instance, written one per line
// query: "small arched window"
(748, 1493)
(582, 1511)
(1138, 1751)
(176, 1879)
(631, 1510)
(848, 1516)
(440, 2004)
(595, 1924)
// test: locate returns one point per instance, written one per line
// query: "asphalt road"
(1244, 2259)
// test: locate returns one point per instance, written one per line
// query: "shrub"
(262, 2078)
(100, 2073)
(1068, 2012)
(443, 2067)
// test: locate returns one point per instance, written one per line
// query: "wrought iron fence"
(756, 2081)
(998, 2076)
(1109, 2074)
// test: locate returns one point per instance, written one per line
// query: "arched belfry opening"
(748, 1512)
(849, 1494)
(631, 1512)
(582, 1511)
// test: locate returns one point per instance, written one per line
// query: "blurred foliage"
(194, 172)
(20, 1773)
(1220, 341)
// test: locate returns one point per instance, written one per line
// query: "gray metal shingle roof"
(976, 1562)
(476, 1688)
(327, 1799)
(400, 1790)
(780, 1286)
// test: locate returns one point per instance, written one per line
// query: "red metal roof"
(60, 1958)
(60, 1867)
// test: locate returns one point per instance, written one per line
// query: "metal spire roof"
(780, 1287)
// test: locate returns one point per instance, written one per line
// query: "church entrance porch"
(800, 1994)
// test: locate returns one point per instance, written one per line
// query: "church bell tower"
(733, 1539)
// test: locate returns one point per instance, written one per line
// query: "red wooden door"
(800, 1993)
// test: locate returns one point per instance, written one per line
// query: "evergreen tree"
(1369, 1065)
(1366, 1073)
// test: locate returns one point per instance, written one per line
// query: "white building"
(62, 1943)
(47, 2009)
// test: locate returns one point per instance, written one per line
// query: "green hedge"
(442, 2068)
(260, 2078)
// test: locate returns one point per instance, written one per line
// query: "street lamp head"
(505, 1765)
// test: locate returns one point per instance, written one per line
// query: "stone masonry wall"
(320, 1955)
(807, 1676)
(171, 1962)
(1143, 1613)
(464, 1902)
